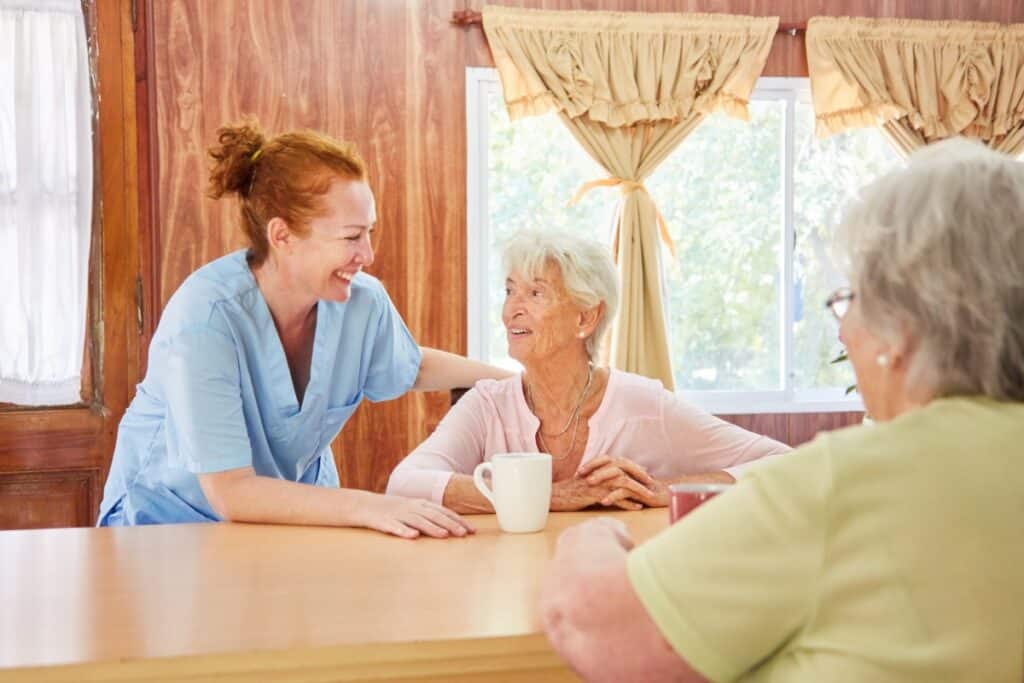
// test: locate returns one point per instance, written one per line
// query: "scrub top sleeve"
(394, 357)
(205, 423)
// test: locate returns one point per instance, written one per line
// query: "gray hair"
(936, 250)
(586, 266)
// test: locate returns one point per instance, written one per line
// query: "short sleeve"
(735, 580)
(394, 357)
(205, 421)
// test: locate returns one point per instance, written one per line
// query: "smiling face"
(540, 317)
(338, 244)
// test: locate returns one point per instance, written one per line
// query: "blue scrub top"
(218, 394)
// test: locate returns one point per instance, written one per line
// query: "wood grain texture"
(120, 230)
(148, 174)
(773, 425)
(36, 441)
(53, 462)
(48, 499)
(394, 87)
(794, 429)
(209, 602)
(803, 427)
(388, 75)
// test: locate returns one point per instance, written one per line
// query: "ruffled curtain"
(920, 81)
(46, 177)
(629, 87)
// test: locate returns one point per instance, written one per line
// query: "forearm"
(595, 620)
(462, 496)
(443, 371)
(253, 498)
(571, 604)
(574, 603)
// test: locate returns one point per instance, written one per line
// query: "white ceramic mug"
(521, 493)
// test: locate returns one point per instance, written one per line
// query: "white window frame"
(480, 82)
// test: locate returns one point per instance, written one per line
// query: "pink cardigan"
(637, 419)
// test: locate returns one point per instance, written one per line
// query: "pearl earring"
(882, 360)
(581, 335)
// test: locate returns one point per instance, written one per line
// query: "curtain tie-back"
(626, 186)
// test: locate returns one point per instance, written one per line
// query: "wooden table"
(273, 603)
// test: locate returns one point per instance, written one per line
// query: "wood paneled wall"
(386, 74)
(53, 461)
(794, 428)
(389, 75)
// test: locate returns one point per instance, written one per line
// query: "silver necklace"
(575, 412)
(574, 419)
(568, 451)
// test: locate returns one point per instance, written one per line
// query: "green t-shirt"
(891, 552)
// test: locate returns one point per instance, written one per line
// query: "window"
(750, 207)
(45, 200)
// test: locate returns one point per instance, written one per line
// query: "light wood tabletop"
(276, 603)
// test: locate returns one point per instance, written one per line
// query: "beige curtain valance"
(622, 68)
(928, 79)
(629, 87)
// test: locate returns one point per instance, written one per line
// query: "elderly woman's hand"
(631, 486)
(574, 494)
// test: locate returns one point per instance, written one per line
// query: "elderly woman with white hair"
(615, 438)
(890, 552)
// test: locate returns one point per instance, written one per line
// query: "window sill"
(748, 403)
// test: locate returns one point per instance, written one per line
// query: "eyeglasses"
(839, 302)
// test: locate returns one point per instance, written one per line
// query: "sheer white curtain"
(45, 200)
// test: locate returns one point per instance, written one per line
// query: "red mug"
(685, 497)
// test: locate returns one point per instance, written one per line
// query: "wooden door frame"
(67, 450)
(148, 175)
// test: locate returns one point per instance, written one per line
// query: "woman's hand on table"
(577, 493)
(410, 517)
(574, 494)
(629, 485)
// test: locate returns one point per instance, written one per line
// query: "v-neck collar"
(284, 387)
(534, 422)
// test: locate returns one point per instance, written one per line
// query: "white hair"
(935, 251)
(586, 267)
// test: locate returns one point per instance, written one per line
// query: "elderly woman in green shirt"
(890, 552)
